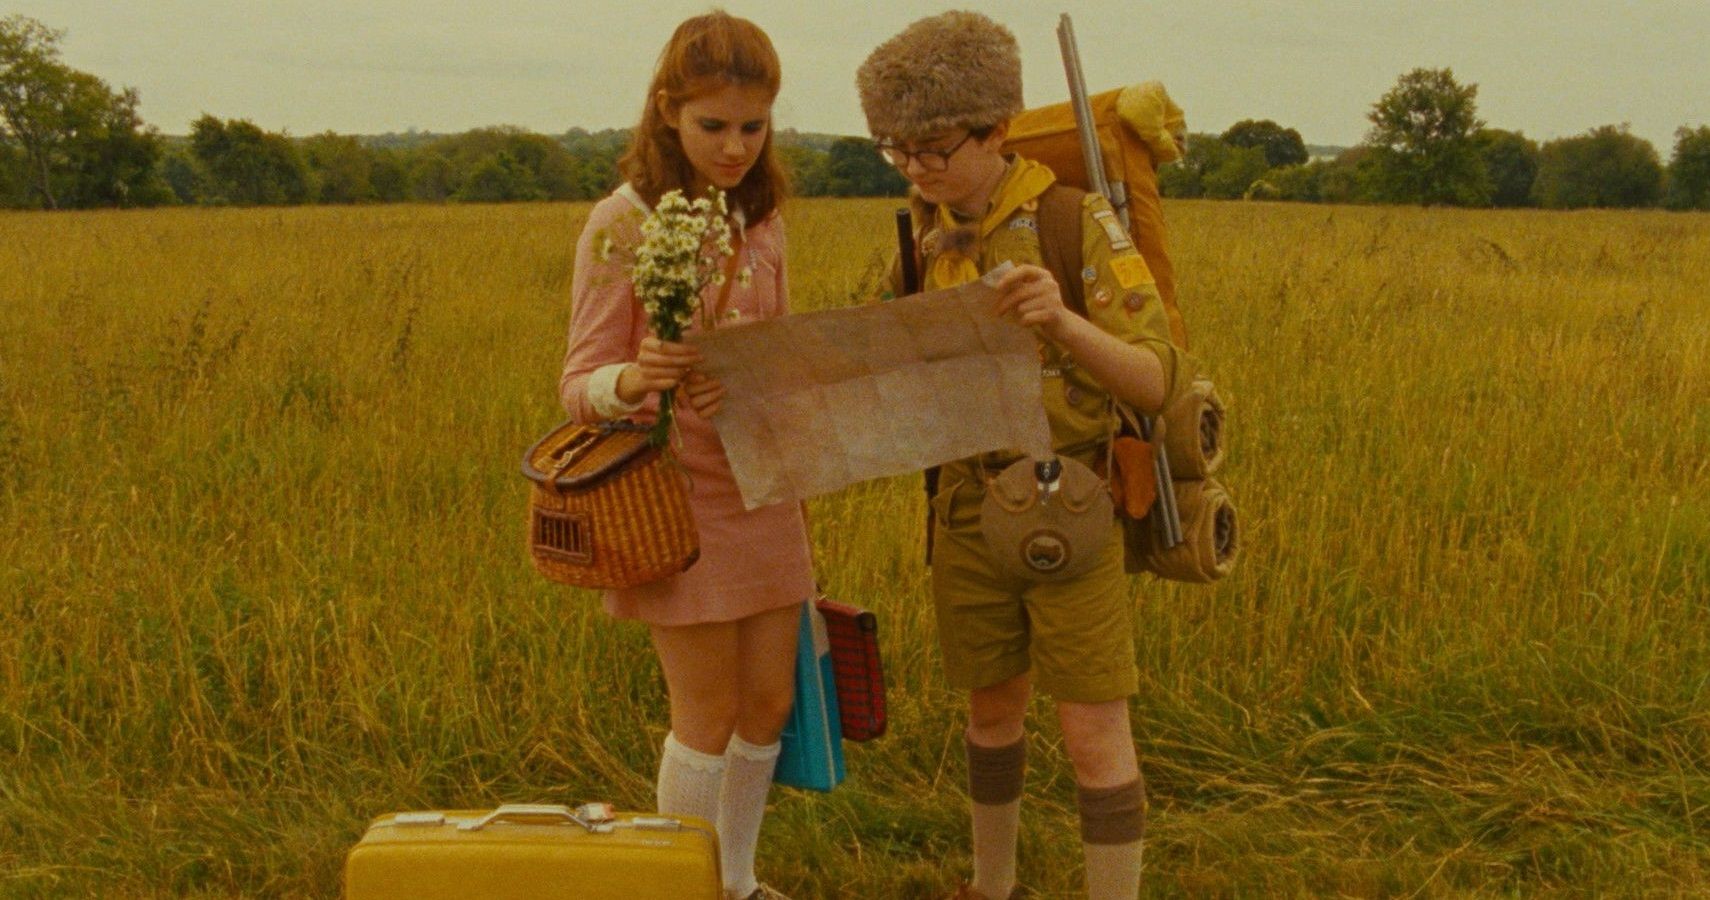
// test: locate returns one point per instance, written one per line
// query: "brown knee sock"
(1113, 824)
(995, 779)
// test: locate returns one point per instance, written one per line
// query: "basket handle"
(577, 447)
(566, 457)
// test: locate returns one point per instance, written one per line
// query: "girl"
(725, 629)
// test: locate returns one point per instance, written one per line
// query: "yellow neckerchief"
(1024, 181)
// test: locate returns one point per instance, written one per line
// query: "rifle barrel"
(905, 249)
(1090, 152)
(1168, 521)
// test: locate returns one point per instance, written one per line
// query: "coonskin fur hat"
(953, 70)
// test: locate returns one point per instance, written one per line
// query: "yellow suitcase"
(534, 851)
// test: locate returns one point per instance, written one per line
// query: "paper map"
(818, 401)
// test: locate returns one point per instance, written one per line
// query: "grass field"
(261, 571)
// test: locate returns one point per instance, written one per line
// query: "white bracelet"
(602, 392)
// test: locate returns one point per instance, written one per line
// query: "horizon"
(387, 67)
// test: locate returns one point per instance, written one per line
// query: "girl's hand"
(704, 392)
(1030, 296)
(660, 366)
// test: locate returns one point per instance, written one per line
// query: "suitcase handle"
(524, 811)
(515, 811)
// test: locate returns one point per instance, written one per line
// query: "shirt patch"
(1130, 271)
(1020, 222)
(1089, 274)
(1112, 229)
(1056, 371)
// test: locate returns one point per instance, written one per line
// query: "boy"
(938, 98)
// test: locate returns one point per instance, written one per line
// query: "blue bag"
(812, 752)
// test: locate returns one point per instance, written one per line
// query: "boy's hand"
(1029, 295)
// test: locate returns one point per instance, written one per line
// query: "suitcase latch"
(596, 813)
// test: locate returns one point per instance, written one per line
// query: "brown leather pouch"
(1133, 481)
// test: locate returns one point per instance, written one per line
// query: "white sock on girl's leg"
(689, 781)
(741, 806)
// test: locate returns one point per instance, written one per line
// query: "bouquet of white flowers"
(682, 246)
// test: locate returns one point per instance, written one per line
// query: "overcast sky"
(1550, 69)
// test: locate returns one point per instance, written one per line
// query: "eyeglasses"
(930, 160)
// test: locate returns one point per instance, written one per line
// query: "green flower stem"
(661, 433)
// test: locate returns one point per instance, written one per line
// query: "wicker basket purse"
(608, 510)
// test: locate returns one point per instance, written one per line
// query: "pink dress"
(751, 561)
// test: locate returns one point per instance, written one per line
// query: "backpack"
(1139, 128)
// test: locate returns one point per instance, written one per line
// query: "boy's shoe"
(965, 891)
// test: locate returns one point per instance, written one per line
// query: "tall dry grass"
(261, 574)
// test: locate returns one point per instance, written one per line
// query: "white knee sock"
(741, 805)
(689, 781)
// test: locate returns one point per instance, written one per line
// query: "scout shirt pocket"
(1077, 407)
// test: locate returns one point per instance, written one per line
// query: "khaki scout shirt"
(1122, 299)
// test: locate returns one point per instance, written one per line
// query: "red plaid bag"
(855, 666)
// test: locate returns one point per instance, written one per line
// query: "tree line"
(1428, 146)
(69, 140)
(235, 162)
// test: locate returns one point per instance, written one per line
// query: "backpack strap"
(1060, 248)
(1060, 242)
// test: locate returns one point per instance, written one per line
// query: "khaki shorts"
(1077, 637)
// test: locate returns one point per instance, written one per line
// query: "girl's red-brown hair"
(706, 53)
